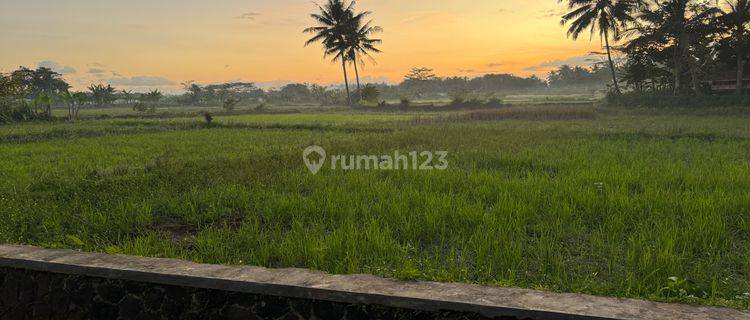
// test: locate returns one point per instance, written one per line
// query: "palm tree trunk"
(611, 63)
(694, 74)
(740, 75)
(356, 72)
(740, 61)
(678, 56)
(346, 80)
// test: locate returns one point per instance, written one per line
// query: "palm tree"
(607, 17)
(361, 44)
(736, 21)
(679, 23)
(333, 22)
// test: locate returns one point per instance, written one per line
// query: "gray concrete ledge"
(357, 289)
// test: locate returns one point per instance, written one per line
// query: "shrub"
(405, 103)
(230, 103)
(12, 110)
(370, 93)
(457, 101)
(261, 107)
(475, 102)
(208, 117)
(494, 102)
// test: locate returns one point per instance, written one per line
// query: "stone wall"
(28, 294)
(37, 283)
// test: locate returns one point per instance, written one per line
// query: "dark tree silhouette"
(677, 24)
(334, 20)
(605, 17)
(735, 22)
(361, 44)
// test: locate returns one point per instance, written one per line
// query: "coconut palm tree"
(333, 20)
(675, 24)
(361, 44)
(605, 17)
(736, 20)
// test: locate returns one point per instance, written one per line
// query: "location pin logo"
(314, 157)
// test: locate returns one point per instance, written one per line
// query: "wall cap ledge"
(360, 289)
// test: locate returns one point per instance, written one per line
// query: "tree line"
(27, 94)
(676, 46)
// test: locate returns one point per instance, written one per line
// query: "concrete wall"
(38, 283)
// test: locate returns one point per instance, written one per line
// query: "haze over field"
(142, 44)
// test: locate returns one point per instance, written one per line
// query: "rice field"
(629, 204)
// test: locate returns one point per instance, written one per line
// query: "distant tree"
(420, 74)
(294, 92)
(193, 93)
(148, 101)
(605, 17)
(128, 96)
(578, 76)
(102, 94)
(230, 103)
(370, 93)
(420, 80)
(74, 101)
(32, 83)
(43, 105)
(27, 94)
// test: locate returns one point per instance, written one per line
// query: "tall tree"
(675, 25)
(735, 21)
(334, 20)
(605, 17)
(361, 44)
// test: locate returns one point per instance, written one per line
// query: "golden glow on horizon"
(139, 42)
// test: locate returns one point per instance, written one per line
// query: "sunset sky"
(141, 44)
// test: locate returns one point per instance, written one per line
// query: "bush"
(261, 107)
(16, 111)
(475, 102)
(495, 102)
(458, 101)
(405, 103)
(370, 93)
(143, 107)
(230, 104)
(208, 117)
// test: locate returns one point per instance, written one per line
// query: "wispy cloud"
(583, 60)
(56, 67)
(552, 13)
(423, 16)
(141, 81)
(97, 71)
(248, 16)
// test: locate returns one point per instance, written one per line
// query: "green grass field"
(646, 205)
